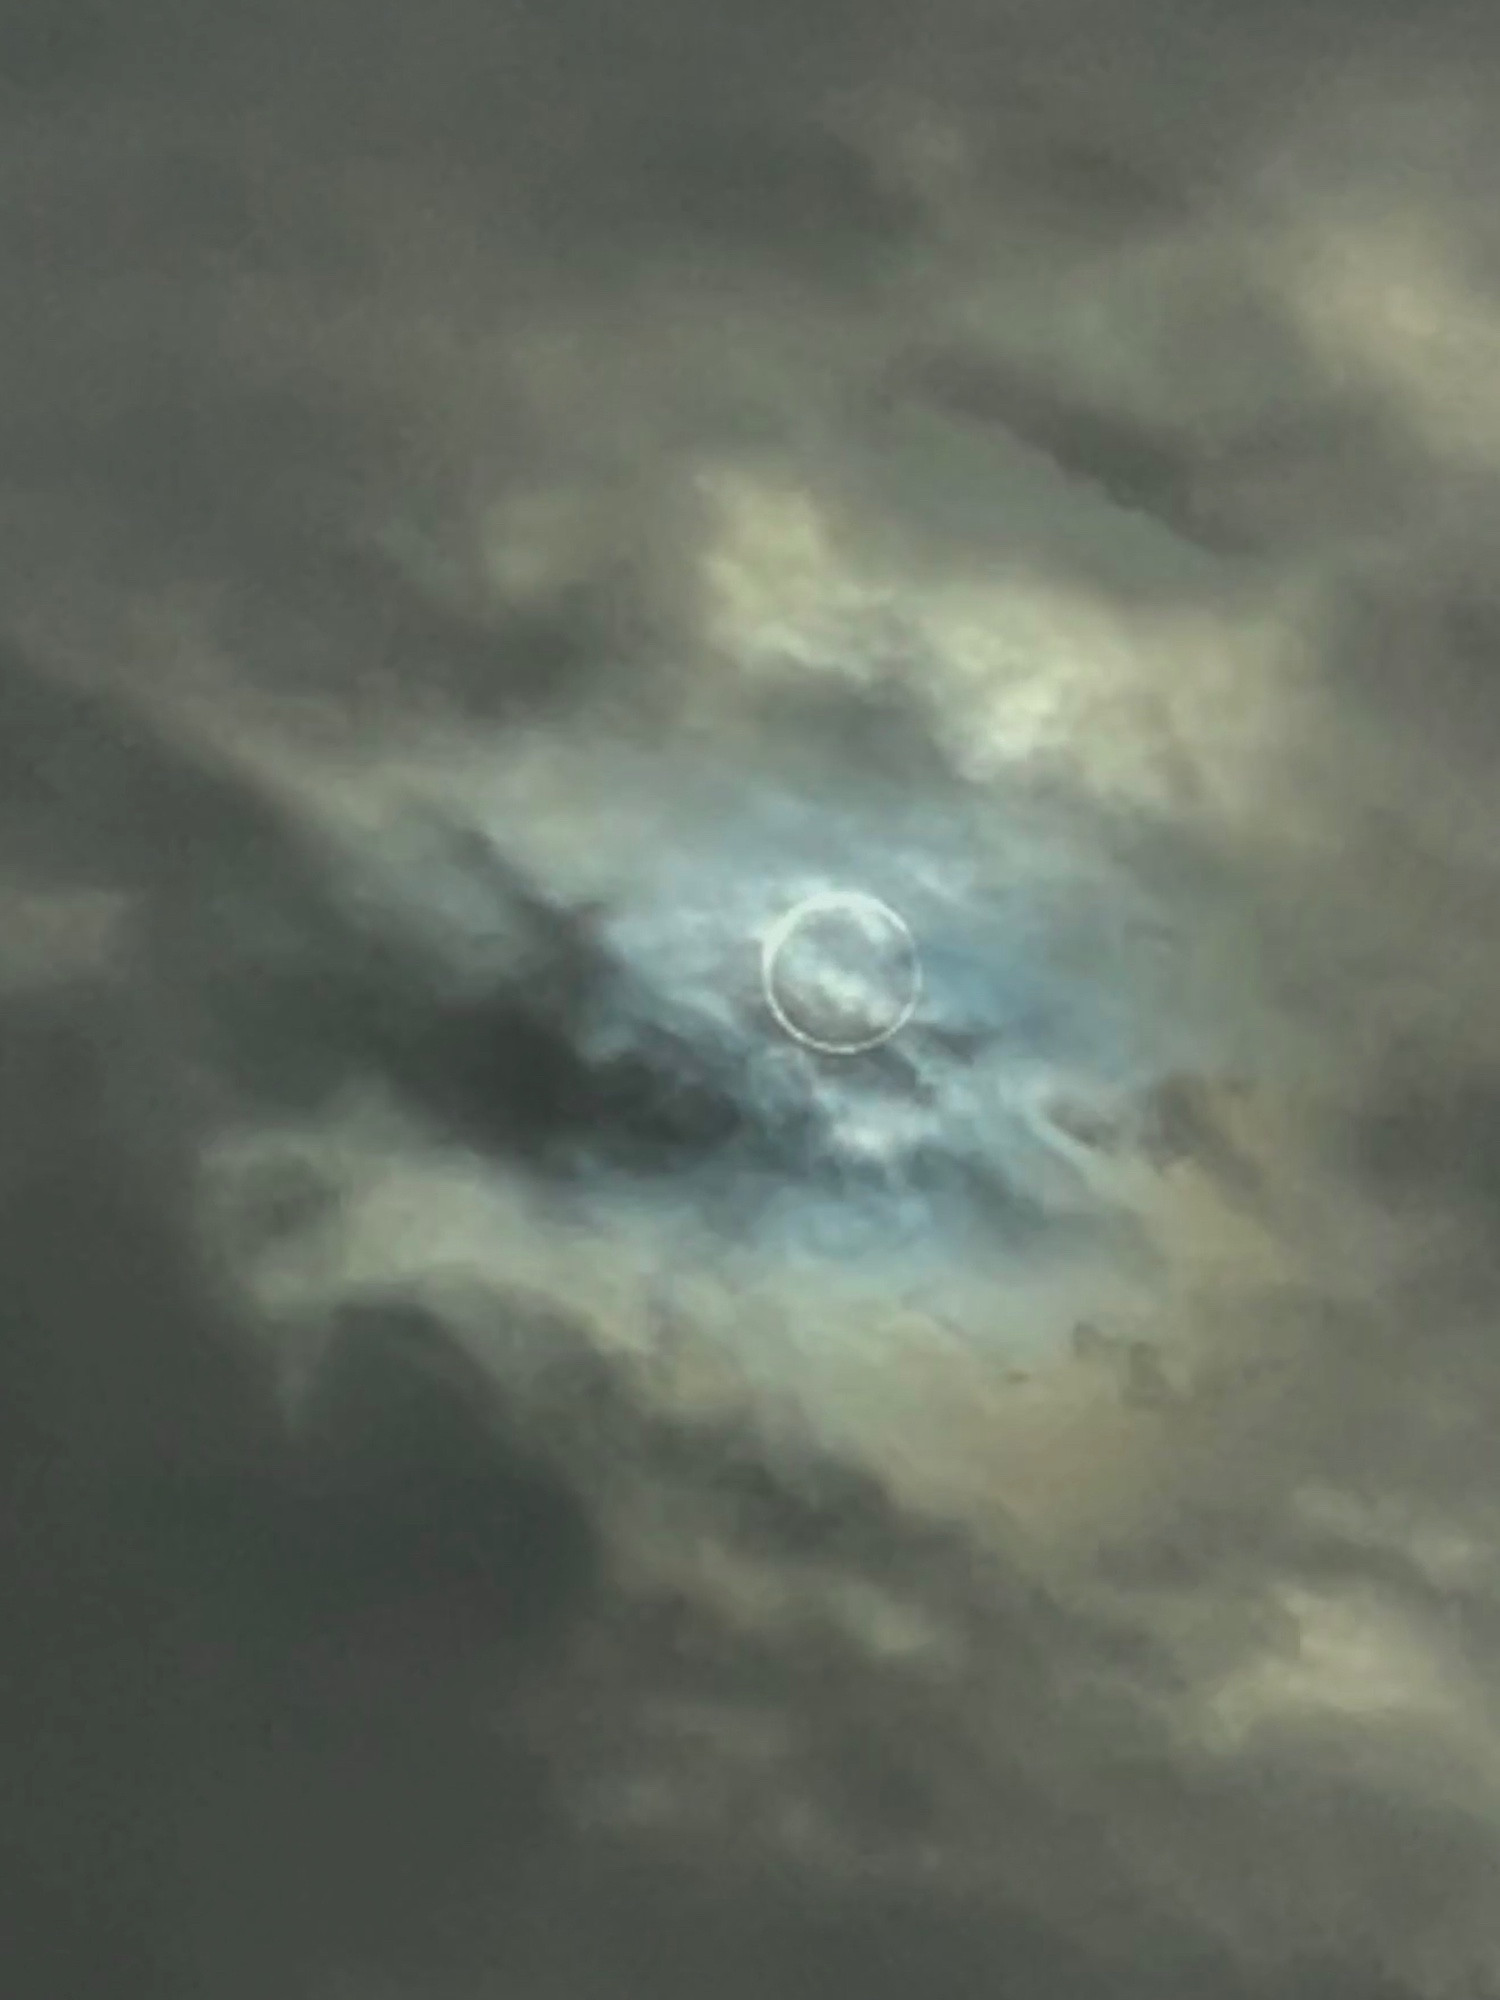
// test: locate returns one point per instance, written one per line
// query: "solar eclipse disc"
(840, 972)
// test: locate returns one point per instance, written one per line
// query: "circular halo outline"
(778, 935)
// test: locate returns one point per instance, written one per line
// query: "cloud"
(518, 1472)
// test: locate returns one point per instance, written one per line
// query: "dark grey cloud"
(511, 1474)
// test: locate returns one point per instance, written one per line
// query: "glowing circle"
(840, 972)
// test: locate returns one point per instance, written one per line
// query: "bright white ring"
(821, 903)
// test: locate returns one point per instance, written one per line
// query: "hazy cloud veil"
(520, 1477)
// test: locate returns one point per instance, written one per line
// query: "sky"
(520, 1477)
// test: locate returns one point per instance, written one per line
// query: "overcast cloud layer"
(519, 1478)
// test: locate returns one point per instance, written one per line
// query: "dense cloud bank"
(518, 1475)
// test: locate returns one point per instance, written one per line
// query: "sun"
(840, 972)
